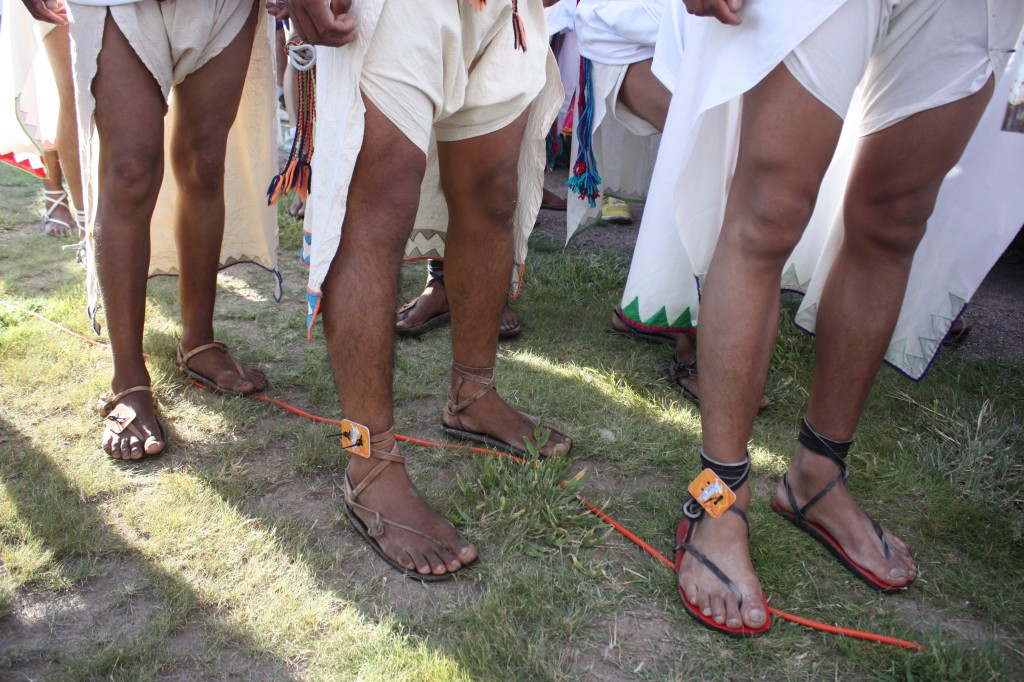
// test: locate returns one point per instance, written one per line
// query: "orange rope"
(629, 535)
(91, 342)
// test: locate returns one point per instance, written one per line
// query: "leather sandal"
(119, 417)
(835, 451)
(734, 476)
(452, 423)
(181, 362)
(433, 323)
(363, 445)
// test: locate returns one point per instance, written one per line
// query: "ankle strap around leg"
(835, 450)
(471, 373)
(733, 474)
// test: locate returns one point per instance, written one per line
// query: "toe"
(732, 614)
(134, 447)
(718, 609)
(753, 612)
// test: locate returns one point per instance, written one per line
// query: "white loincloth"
(687, 199)
(340, 125)
(196, 35)
(614, 34)
(29, 103)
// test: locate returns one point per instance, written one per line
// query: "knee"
(132, 176)
(491, 193)
(892, 223)
(199, 167)
(777, 213)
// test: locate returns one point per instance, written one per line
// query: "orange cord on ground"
(629, 535)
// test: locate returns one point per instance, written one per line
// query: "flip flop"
(434, 322)
(684, 533)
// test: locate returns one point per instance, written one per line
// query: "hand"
(50, 11)
(321, 24)
(276, 9)
(723, 10)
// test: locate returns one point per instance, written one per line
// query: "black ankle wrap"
(733, 474)
(835, 450)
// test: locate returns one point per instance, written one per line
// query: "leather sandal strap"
(463, 373)
(375, 529)
(184, 357)
(683, 370)
(108, 403)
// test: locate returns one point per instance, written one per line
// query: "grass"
(228, 556)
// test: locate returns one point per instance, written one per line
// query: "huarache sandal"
(452, 423)
(631, 330)
(120, 417)
(728, 477)
(53, 226)
(835, 451)
(358, 441)
(182, 360)
(676, 369)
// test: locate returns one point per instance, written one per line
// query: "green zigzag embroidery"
(659, 319)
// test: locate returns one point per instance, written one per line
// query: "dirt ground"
(996, 313)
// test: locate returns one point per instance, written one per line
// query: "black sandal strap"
(711, 566)
(682, 370)
(835, 450)
(733, 474)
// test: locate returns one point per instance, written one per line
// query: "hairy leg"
(129, 119)
(788, 138)
(206, 104)
(480, 181)
(358, 295)
(890, 196)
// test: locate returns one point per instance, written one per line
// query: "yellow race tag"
(712, 493)
(355, 438)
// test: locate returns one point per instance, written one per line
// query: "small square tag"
(355, 438)
(119, 418)
(712, 493)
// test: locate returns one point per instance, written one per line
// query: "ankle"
(125, 379)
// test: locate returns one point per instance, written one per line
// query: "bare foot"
(492, 416)
(428, 306)
(510, 325)
(129, 446)
(394, 496)
(840, 516)
(219, 367)
(59, 222)
(724, 542)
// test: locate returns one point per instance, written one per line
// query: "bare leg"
(358, 295)
(129, 118)
(644, 94)
(480, 182)
(891, 194)
(58, 52)
(207, 102)
(788, 138)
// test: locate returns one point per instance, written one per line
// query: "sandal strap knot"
(465, 373)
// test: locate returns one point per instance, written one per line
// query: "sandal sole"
(485, 439)
(825, 539)
(707, 621)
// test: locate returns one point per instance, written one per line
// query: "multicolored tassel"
(297, 174)
(585, 181)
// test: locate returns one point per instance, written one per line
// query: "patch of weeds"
(531, 506)
(978, 449)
